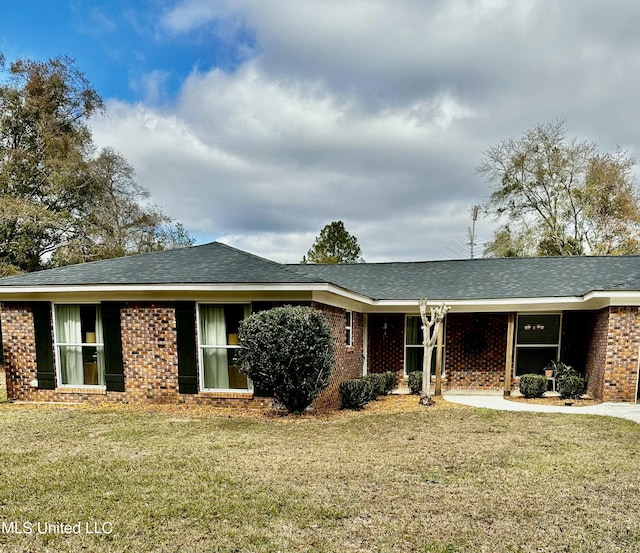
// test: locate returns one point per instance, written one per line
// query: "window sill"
(228, 394)
(86, 390)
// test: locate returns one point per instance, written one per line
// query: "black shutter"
(114, 365)
(187, 354)
(44, 345)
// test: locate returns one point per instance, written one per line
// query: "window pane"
(216, 368)
(414, 331)
(212, 326)
(538, 329)
(71, 369)
(534, 360)
(82, 361)
(415, 359)
(219, 325)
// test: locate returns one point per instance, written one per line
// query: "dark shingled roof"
(206, 264)
(469, 279)
(484, 278)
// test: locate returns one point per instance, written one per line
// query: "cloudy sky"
(257, 122)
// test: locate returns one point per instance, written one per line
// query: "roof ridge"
(283, 266)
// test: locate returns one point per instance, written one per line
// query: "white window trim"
(516, 346)
(243, 391)
(57, 344)
(349, 328)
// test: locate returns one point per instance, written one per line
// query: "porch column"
(508, 367)
(438, 391)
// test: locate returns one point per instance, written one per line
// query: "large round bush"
(289, 352)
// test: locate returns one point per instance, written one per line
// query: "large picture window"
(413, 348)
(537, 342)
(218, 344)
(79, 345)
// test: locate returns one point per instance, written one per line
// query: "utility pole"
(472, 230)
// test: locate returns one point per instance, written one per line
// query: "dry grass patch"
(442, 479)
(556, 401)
(3, 384)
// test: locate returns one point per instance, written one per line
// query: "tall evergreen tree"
(334, 245)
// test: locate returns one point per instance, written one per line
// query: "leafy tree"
(54, 192)
(556, 195)
(334, 245)
(289, 351)
(117, 223)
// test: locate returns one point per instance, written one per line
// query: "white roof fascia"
(614, 298)
(493, 304)
(7, 292)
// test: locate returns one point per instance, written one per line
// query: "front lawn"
(434, 480)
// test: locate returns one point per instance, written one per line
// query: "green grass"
(442, 480)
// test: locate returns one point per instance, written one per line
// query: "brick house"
(162, 327)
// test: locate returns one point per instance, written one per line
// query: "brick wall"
(149, 344)
(475, 351)
(149, 355)
(348, 360)
(19, 346)
(621, 362)
(385, 347)
(149, 352)
(597, 354)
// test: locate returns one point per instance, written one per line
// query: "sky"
(258, 122)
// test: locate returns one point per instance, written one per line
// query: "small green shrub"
(376, 383)
(560, 370)
(415, 382)
(533, 385)
(570, 386)
(390, 381)
(355, 393)
(569, 383)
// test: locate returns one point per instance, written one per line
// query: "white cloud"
(371, 112)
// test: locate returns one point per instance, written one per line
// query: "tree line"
(556, 195)
(62, 200)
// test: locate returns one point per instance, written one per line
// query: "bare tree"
(556, 195)
(430, 327)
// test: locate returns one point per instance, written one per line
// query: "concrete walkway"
(629, 411)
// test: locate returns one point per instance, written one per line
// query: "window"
(349, 328)
(218, 342)
(79, 345)
(413, 349)
(537, 342)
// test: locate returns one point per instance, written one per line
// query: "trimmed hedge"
(390, 381)
(415, 382)
(355, 393)
(376, 384)
(571, 386)
(533, 385)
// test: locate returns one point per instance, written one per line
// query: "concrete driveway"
(629, 411)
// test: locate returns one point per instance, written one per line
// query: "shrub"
(415, 382)
(390, 381)
(289, 351)
(354, 393)
(533, 385)
(570, 386)
(560, 370)
(376, 383)
(569, 383)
